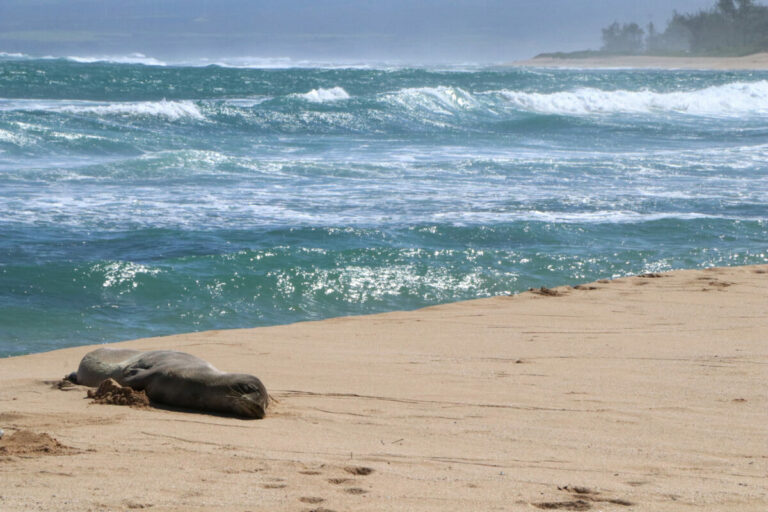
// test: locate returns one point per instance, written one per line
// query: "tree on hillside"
(729, 27)
(626, 38)
(676, 37)
(727, 7)
(653, 40)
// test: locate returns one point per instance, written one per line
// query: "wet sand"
(640, 393)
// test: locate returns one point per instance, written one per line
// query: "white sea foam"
(325, 95)
(13, 138)
(604, 217)
(75, 136)
(10, 105)
(247, 102)
(255, 62)
(245, 62)
(733, 99)
(172, 110)
(106, 207)
(237, 62)
(133, 58)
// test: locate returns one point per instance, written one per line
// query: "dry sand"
(641, 393)
(758, 61)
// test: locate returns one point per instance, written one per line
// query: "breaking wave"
(171, 110)
(441, 99)
(138, 200)
(733, 99)
(729, 100)
(321, 95)
(133, 58)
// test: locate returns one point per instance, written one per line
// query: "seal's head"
(246, 395)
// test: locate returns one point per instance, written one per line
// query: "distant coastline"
(757, 61)
(730, 35)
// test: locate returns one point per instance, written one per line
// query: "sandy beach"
(757, 61)
(640, 393)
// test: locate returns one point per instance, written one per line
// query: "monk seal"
(177, 379)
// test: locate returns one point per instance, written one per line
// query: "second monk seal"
(177, 379)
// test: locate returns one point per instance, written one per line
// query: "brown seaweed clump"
(547, 292)
(110, 392)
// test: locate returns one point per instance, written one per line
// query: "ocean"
(142, 198)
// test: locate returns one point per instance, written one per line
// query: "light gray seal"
(177, 379)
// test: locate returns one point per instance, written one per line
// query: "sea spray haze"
(138, 199)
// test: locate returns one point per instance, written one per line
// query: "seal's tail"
(72, 377)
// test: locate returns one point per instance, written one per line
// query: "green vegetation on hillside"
(729, 28)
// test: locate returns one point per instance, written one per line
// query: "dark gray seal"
(177, 379)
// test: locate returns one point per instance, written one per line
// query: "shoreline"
(638, 393)
(754, 62)
(119, 342)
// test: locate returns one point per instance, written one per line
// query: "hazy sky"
(400, 30)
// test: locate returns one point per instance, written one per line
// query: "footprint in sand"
(564, 505)
(133, 505)
(358, 470)
(584, 497)
(275, 483)
(274, 486)
(314, 500)
(352, 470)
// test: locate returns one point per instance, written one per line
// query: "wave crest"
(737, 98)
(171, 110)
(133, 58)
(441, 99)
(321, 95)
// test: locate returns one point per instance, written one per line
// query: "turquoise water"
(140, 200)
